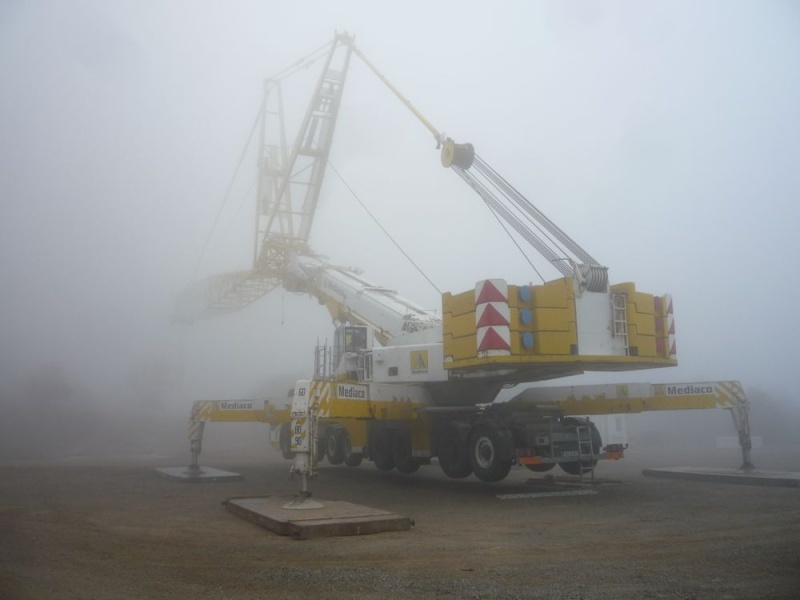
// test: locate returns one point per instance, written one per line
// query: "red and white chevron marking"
(492, 317)
(494, 341)
(491, 290)
(492, 313)
(670, 326)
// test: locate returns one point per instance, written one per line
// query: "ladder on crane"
(585, 448)
(620, 314)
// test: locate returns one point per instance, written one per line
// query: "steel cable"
(498, 207)
(469, 182)
(525, 215)
(521, 201)
(378, 223)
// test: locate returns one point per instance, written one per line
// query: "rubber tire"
(573, 468)
(483, 455)
(402, 453)
(453, 455)
(285, 441)
(320, 447)
(333, 445)
(351, 459)
(381, 449)
(543, 468)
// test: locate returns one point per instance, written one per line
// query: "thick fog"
(664, 138)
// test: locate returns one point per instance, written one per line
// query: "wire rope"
(499, 220)
(525, 204)
(550, 243)
(303, 63)
(378, 223)
(227, 195)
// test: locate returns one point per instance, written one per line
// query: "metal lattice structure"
(289, 184)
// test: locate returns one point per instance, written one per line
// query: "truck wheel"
(543, 468)
(285, 441)
(319, 447)
(402, 452)
(452, 452)
(574, 468)
(484, 455)
(351, 459)
(381, 450)
(333, 445)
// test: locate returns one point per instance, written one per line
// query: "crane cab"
(350, 344)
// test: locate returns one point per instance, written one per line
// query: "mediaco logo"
(236, 405)
(352, 391)
(689, 389)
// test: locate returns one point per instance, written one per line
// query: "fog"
(663, 138)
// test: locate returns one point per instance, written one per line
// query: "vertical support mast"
(284, 217)
(272, 163)
(288, 185)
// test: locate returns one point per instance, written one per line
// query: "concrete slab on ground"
(332, 519)
(199, 475)
(737, 476)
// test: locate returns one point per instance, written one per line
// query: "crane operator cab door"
(351, 345)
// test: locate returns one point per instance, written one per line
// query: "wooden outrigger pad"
(285, 515)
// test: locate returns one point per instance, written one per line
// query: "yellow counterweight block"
(543, 320)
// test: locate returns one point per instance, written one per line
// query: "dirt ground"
(114, 530)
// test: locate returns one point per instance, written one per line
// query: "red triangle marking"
(671, 328)
(489, 293)
(492, 316)
(669, 307)
(493, 341)
(672, 350)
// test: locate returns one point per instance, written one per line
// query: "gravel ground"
(113, 530)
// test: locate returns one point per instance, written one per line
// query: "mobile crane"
(401, 386)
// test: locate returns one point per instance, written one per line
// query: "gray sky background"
(663, 137)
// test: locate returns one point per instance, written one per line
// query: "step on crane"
(402, 387)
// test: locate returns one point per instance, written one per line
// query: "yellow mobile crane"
(401, 387)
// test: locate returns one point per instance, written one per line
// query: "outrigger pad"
(199, 474)
(331, 518)
(756, 477)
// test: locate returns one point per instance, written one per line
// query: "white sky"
(663, 137)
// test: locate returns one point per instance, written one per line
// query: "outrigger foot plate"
(756, 477)
(198, 474)
(332, 518)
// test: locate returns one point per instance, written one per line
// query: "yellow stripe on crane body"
(238, 411)
(633, 397)
(352, 400)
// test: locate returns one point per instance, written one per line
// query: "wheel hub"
(484, 452)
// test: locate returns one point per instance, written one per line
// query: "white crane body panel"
(352, 298)
(594, 325)
(412, 363)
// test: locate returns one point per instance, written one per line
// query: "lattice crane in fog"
(404, 386)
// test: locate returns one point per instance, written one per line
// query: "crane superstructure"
(426, 389)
